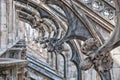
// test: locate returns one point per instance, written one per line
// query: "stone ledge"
(9, 62)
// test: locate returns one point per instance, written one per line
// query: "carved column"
(4, 27)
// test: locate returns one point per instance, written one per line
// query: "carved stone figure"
(101, 62)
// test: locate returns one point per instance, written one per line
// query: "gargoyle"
(99, 56)
(102, 62)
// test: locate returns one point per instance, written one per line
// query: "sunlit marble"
(97, 5)
(86, 1)
(109, 13)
